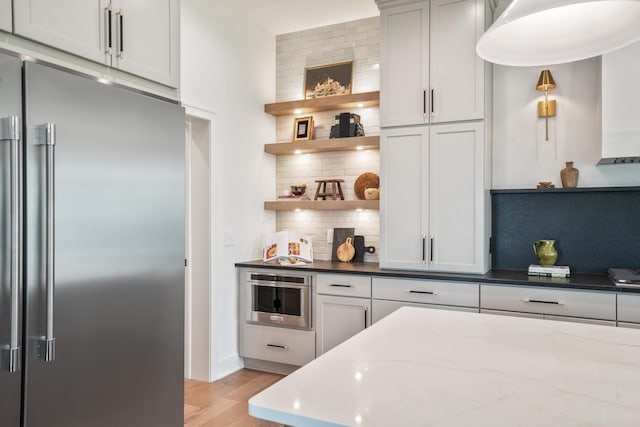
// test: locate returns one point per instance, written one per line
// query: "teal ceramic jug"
(546, 253)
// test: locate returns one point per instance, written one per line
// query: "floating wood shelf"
(324, 145)
(340, 102)
(289, 205)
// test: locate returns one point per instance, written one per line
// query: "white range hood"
(621, 106)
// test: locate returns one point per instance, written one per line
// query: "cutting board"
(339, 237)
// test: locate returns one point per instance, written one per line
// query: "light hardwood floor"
(224, 402)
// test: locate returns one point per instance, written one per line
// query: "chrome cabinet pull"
(10, 132)
(281, 347)
(431, 249)
(47, 139)
(424, 248)
(432, 102)
(338, 285)
(538, 301)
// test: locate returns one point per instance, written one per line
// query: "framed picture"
(328, 80)
(303, 128)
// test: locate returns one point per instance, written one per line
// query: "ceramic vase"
(546, 252)
(569, 176)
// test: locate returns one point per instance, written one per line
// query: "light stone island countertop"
(420, 367)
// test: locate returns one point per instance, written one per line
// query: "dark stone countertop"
(593, 282)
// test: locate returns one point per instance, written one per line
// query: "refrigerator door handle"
(10, 131)
(47, 138)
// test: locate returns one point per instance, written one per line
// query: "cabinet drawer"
(426, 291)
(629, 308)
(594, 305)
(383, 308)
(349, 285)
(290, 346)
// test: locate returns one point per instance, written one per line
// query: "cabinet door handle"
(424, 102)
(432, 102)
(539, 301)
(120, 15)
(109, 38)
(431, 249)
(278, 346)
(365, 317)
(339, 285)
(424, 248)
(411, 291)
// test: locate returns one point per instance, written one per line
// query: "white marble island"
(425, 367)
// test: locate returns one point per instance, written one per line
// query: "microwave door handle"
(47, 139)
(10, 132)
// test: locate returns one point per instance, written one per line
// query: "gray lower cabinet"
(389, 294)
(280, 345)
(629, 310)
(557, 304)
(342, 308)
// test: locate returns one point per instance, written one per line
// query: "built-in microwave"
(279, 300)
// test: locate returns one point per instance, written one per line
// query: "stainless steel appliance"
(279, 300)
(91, 252)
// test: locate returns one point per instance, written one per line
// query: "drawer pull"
(338, 285)
(538, 301)
(411, 291)
(281, 347)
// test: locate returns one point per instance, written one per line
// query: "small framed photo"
(328, 80)
(303, 129)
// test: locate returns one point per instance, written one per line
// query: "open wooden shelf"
(340, 102)
(289, 205)
(324, 145)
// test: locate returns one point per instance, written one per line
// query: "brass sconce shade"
(546, 108)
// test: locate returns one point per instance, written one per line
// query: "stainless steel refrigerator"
(91, 252)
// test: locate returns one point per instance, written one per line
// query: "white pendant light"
(546, 32)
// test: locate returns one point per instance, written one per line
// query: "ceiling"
(287, 16)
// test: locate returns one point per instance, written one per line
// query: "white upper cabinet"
(430, 72)
(404, 68)
(137, 36)
(5, 15)
(456, 72)
(147, 40)
(75, 26)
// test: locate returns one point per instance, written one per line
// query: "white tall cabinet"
(434, 158)
(5, 15)
(137, 36)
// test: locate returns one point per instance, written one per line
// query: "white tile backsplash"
(358, 41)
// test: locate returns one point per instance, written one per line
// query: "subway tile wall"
(358, 41)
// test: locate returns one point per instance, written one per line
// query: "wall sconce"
(546, 108)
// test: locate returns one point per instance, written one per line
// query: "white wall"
(228, 69)
(521, 156)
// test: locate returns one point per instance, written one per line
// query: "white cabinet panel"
(349, 285)
(404, 69)
(429, 70)
(456, 72)
(457, 199)
(629, 308)
(282, 345)
(75, 26)
(383, 308)
(150, 47)
(426, 291)
(432, 198)
(338, 319)
(404, 182)
(558, 302)
(141, 37)
(5, 15)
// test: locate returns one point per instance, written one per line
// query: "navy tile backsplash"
(594, 228)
